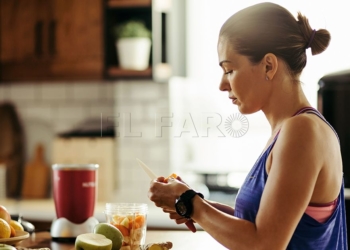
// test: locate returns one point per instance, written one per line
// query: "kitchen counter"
(181, 240)
(44, 211)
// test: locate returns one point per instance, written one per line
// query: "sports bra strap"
(314, 111)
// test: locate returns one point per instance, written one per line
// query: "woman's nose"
(224, 84)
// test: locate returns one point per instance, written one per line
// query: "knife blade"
(153, 176)
(148, 171)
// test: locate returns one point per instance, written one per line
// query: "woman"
(293, 196)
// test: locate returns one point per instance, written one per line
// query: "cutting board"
(36, 176)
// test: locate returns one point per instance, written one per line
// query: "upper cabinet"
(51, 39)
(66, 39)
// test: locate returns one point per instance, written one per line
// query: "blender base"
(64, 230)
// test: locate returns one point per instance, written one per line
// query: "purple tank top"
(309, 233)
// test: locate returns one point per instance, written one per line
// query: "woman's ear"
(271, 65)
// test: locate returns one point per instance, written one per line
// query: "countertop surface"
(44, 210)
(180, 239)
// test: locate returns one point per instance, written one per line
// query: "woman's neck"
(286, 99)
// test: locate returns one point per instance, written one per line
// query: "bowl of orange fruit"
(11, 231)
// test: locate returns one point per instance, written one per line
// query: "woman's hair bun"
(317, 40)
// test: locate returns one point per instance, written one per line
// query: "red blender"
(74, 193)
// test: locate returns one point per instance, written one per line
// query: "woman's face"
(244, 82)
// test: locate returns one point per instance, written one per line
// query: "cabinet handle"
(38, 42)
(52, 37)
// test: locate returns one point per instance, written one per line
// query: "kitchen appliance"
(74, 193)
(334, 104)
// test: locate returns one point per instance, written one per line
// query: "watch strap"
(189, 194)
(185, 199)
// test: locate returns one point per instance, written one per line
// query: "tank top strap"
(311, 110)
(270, 147)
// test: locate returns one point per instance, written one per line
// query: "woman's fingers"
(167, 210)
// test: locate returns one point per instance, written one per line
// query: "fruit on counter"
(158, 246)
(13, 232)
(16, 225)
(4, 214)
(92, 241)
(5, 229)
(133, 229)
(111, 233)
(173, 175)
(6, 247)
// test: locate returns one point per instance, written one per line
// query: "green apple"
(6, 247)
(111, 232)
(91, 241)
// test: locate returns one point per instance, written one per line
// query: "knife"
(153, 176)
(148, 171)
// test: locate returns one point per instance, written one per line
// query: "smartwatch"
(183, 204)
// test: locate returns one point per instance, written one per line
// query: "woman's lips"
(234, 100)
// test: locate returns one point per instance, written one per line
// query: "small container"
(131, 220)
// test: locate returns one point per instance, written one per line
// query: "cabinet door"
(22, 43)
(77, 30)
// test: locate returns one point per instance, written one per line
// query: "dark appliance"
(334, 104)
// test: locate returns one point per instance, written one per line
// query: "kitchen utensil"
(2, 181)
(153, 176)
(74, 193)
(36, 176)
(27, 226)
(148, 171)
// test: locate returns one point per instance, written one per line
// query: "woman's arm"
(296, 162)
(222, 207)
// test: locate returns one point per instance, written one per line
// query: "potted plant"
(133, 43)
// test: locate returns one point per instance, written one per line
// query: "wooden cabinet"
(51, 39)
(65, 39)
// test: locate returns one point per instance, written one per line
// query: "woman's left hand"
(164, 194)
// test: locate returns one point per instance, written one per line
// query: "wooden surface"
(182, 240)
(117, 72)
(53, 39)
(36, 176)
(129, 3)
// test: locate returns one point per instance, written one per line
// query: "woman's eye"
(228, 72)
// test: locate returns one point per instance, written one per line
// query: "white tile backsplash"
(141, 99)
(4, 92)
(88, 91)
(65, 104)
(53, 92)
(96, 109)
(40, 112)
(24, 92)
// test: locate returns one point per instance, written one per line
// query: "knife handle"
(191, 226)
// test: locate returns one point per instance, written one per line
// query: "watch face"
(181, 208)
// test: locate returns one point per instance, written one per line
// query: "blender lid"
(75, 166)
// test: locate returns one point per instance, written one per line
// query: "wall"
(47, 109)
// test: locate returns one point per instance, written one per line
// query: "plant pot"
(134, 53)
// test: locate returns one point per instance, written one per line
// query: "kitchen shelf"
(128, 3)
(117, 72)
(117, 12)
